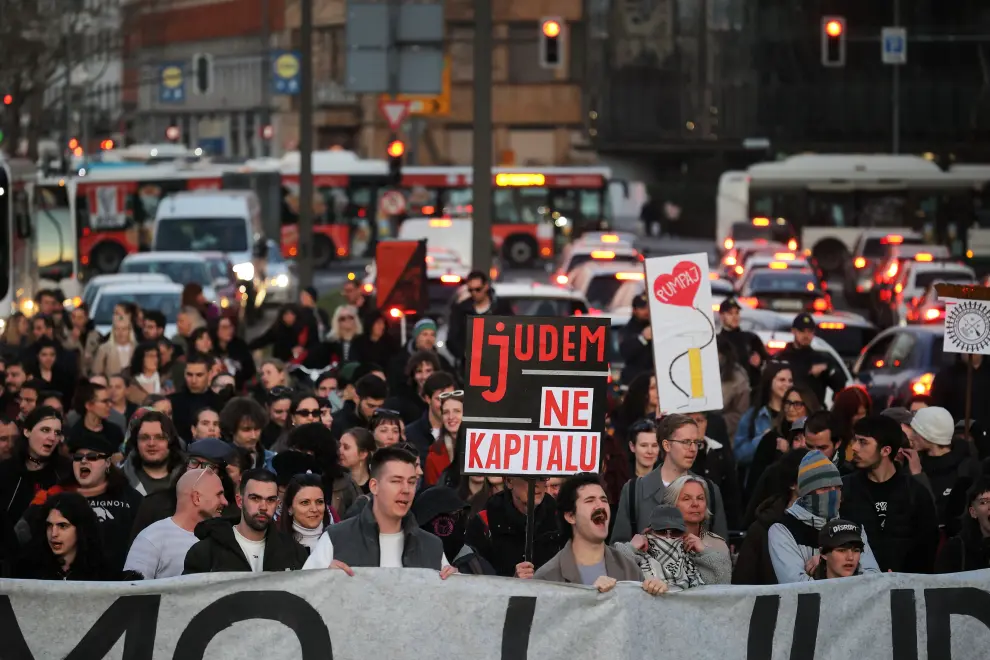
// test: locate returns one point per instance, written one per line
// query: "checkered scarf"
(666, 559)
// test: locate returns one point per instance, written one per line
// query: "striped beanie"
(815, 472)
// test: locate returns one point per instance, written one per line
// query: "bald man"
(159, 551)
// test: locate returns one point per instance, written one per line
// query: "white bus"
(830, 198)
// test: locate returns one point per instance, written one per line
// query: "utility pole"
(306, 145)
(266, 80)
(895, 90)
(481, 249)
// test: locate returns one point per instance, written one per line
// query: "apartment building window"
(524, 54)
(461, 49)
(329, 51)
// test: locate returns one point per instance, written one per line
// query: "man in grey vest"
(384, 534)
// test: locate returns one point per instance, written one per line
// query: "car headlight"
(244, 271)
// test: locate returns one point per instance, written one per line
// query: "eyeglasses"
(279, 392)
(91, 458)
(472, 289)
(699, 444)
(201, 464)
(159, 437)
(386, 412)
(311, 414)
(447, 395)
(669, 533)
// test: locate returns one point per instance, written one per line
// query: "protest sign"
(380, 613)
(535, 399)
(684, 350)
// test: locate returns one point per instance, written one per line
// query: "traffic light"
(396, 150)
(833, 41)
(8, 99)
(203, 74)
(551, 43)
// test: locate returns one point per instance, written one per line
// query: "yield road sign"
(894, 43)
(395, 112)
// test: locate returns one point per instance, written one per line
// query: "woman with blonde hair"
(15, 335)
(345, 328)
(115, 355)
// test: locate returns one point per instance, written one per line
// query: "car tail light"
(748, 301)
(630, 276)
(728, 243)
(924, 256)
(778, 265)
(450, 279)
(776, 345)
(860, 262)
(739, 270)
(784, 256)
(934, 314)
(892, 271)
(395, 313)
(820, 305)
(603, 254)
(716, 307)
(829, 325)
(729, 261)
(792, 244)
(368, 288)
(761, 222)
(561, 279)
(923, 385)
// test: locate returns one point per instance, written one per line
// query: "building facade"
(201, 66)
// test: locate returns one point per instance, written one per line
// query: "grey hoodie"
(788, 558)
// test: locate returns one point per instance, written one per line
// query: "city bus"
(535, 211)
(828, 199)
(977, 178)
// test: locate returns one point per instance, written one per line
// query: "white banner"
(406, 613)
(684, 350)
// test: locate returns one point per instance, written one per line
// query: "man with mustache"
(253, 544)
(583, 512)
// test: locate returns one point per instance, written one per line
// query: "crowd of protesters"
(137, 456)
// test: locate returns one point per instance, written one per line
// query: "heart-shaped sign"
(680, 286)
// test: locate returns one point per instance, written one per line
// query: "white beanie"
(935, 425)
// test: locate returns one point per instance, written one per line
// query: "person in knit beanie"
(793, 542)
(424, 338)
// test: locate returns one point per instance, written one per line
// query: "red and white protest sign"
(535, 399)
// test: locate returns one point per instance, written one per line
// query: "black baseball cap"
(804, 321)
(729, 304)
(839, 533)
(640, 301)
(666, 517)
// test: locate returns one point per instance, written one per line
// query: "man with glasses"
(481, 300)
(680, 442)
(253, 544)
(816, 369)
(154, 460)
(159, 551)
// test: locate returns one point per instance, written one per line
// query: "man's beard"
(155, 464)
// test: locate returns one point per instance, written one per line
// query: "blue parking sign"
(894, 44)
(285, 72)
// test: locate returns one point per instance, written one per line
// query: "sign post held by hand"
(535, 399)
(684, 350)
(967, 329)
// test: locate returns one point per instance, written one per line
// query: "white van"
(227, 221)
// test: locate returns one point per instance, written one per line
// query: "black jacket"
(377, 352)
(801, 361)
(498, 534)
(347, 418)
(397, 380)
(945, 472)
(217, 551)
(420, 433)
(637, 353)
(745, 343)
(753, 565)
(18, 485)
(185, 405)
(460, 312)
(239, 361)
(969, 551)
(899, 518)
(718, 465)
(949, 391)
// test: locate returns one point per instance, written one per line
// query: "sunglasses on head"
(643, 426)
(279, 392)
(387, 412)
(447, 395)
